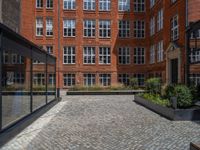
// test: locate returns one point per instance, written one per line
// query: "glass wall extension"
(27, 76)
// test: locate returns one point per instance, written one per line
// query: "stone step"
(195, 146)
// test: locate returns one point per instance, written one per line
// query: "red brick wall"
(193, 10)
(29, 13)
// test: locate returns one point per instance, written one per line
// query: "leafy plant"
(153, 85)
(134, 82)
(156, 99)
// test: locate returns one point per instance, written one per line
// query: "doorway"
(174, 70)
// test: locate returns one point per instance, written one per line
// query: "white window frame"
(89, 28)
(152, 26)
(89, 55)
(139, 55)
(139, 5)
(124, 55)
(69, 79)
(160, 52)
(39, 3)
(89, 79)
(194, 55)
(195, 78)
(38, 79)
(124, 28)
(105, 79)
(49, 26)
(152, 54)
(69, 55)
(69, 4)
(69, 27)
(124, 78)
(39, 26)
(49, 49)
(160, 20)
(104, 55)
(141, 78)
(104, 5)
(89, 5)
(139, 29)
(175, 28)
(104, 28)
(49, 4)
(152, 3)
(123, 5)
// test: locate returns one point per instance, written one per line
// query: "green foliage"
(195, 92)
(134, 82)
(156, 99)
(183, 94)
(153, 85)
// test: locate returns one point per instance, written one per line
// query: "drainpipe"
(58, 89)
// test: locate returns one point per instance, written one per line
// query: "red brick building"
(104, 42)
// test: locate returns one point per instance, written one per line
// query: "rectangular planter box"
(119, 92)
(170, 113)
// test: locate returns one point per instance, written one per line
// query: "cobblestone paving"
(104, 123)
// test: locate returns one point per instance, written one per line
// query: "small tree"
(134, 82)
(153, 85)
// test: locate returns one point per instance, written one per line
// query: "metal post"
(1, 73)
(46, 66)
(188, 52)
(31, 81)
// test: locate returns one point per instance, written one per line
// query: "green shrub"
(153, 85)
(183, 94)
(169, 91)
(195, 92)
(156, 99)
(134, 82)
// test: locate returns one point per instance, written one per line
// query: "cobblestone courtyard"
(104, 123)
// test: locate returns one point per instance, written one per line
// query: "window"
(152, 26)
(89, 5)
(49, 49)
(89, 55)
(195, 79)
(152, 3)
(194, 56)
(69, 28)
(105, 79)
(49, 4)
(139, 55)
(195, 34)
(160, 51)
(152, 54)
(39, 79)
(123, 5)
(39, 26)
(5, 57)
(124, 28)
(89, 79)
(104, 55)
(69, 80)
(160, 20)
(104, 5)
(69, 4)
(52, 79)
(140, 78)
(89, 28)
(174, 28)
(139, 29)
(49, 27)
(69, 55)
(39, 3)
(104, 28)
(139, 5)
(124, 79)
(17, 59)
(124, 55)
(18, 78)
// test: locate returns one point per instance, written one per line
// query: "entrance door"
(174, 71)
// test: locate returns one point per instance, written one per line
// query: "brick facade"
(30, 12)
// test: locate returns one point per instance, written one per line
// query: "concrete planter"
(192, 114)
(117, 92)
